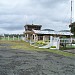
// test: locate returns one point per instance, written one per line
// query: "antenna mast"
(71, 12)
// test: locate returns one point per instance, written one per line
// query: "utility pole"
(71, 23)
(71, 13)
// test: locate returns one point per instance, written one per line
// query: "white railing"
(67, 40)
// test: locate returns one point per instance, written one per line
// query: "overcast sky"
(51, 14)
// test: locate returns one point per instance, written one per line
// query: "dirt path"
(70, 51)
(20, 62)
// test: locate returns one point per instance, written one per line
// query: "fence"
(67, 42)
(11, 38)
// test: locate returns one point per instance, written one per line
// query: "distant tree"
(72, 25)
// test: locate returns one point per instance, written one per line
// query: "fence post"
(8, 37)
(18, 37)
(4, 37)
(65, 43)
(13, 37)
(71, 41)
(51, 41)
(58, 43)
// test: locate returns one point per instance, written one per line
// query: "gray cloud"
(14, 14)
(49, 3)
(12, 28)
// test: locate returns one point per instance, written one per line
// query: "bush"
(47, 41)
(41, 42)
(53, 46)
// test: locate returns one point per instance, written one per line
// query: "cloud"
(11, 22)
(14, 14)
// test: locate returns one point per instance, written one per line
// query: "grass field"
(26, 46)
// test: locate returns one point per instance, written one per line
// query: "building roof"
(47, 30)
(52, 32)
(33, 25)
(64, 31)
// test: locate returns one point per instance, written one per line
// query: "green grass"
(26, 46)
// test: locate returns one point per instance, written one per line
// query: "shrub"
(53, 46)
(41, 42)
(47, 41)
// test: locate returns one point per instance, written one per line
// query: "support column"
(34, 37)
(25, 37)
(43, 38)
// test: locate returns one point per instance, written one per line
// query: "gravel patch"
(23, 62)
